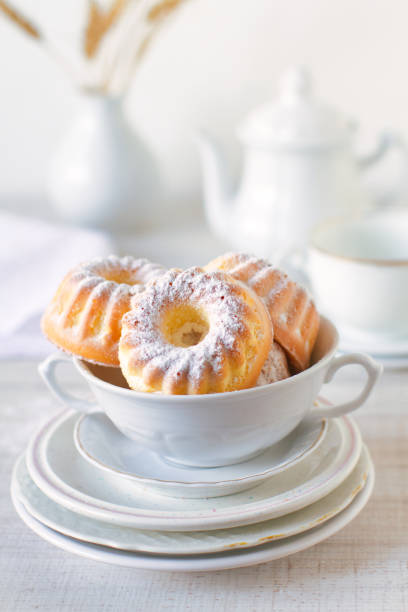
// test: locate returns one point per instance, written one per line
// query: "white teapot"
(298, 169)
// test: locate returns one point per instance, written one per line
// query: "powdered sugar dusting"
(294, 316)
(140, 271)
(86, 312)
(256, 272)
(223, 306)
(275, 367)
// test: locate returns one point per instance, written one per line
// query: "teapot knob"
(295, 84)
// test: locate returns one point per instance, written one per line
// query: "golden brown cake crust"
(294, 316)
(194, 332)
(85, 315)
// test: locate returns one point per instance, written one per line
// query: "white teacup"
(220, 428)
(359, 273)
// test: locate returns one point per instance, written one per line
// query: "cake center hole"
(184, 326)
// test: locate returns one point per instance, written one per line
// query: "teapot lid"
(297, 119)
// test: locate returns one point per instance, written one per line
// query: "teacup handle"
(373, 370)
(47, 369)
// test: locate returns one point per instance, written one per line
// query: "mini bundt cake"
(294, 316)
(194, 332)
(275, 367)
(85, 315)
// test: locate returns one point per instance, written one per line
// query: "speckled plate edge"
(183, 488)
(203, 563)
(78, 502)
(175, 543)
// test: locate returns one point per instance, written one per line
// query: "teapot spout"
(217, 186)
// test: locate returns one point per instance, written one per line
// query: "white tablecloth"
(34, 257)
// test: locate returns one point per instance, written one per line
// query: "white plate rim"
(74, 500)
(252, 478)
(201, 563)
(194, 545)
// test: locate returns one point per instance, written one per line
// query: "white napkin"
(34, 257)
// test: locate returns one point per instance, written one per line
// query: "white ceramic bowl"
(359, 273)
(220, 428)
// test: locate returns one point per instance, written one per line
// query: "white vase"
(103, 175)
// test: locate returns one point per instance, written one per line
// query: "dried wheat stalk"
(118, 64)
(33, 31)
(156, 18)
(19, 20)
(162, 9)
(99, 24)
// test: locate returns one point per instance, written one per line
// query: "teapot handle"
(387, 140)
(398, 187)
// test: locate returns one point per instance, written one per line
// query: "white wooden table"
(362, 568)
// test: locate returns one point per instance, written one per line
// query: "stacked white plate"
(84, 487)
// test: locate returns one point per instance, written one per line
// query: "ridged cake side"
(194, 332)
(293, 313)
(85, 315)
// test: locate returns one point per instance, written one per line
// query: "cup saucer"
(228, 559)
(382, 347)
(186, 542)
(101, 443)
(60, 471)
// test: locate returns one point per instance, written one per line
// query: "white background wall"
(215, 61)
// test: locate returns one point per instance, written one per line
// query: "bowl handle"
(373, 370)
(47, 370)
